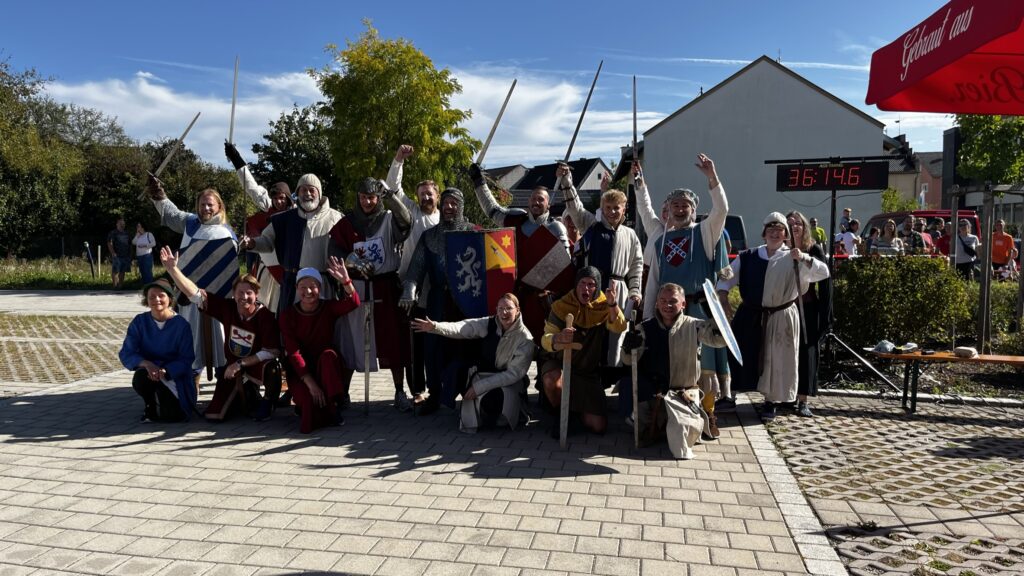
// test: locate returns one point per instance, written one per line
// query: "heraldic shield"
(481, 267)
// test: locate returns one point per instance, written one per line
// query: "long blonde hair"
(223, 212)
(806, 239)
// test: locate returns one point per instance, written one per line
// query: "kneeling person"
(596, 314)
(314, 367)
(494, 392)
(668, 350)
(251, 343)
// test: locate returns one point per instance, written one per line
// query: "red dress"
(308, 338)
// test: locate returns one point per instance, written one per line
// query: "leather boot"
(713, 426)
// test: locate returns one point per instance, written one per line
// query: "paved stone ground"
(941, 491)
(85, 488)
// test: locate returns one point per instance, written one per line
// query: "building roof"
(780, 67)
(502, 171)
(544, 175)
(931, 162)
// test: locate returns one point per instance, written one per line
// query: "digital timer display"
(859, 176)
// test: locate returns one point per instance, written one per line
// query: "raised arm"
(257, 193)
(653, 225)
(712, 226)
(170, 261)
(573, 206)
(170, 216)
(496, 212)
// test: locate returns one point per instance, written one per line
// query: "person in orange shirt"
(1003, 249)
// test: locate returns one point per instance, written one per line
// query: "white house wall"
(759, 115)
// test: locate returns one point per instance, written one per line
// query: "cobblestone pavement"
(42, 351)
(86, 488)
(937, 492)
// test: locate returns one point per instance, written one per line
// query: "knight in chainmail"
(428, 265)
(369, 240)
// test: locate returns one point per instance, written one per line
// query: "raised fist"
(232, 153)
(404, 151)
(476, 175)
(155, 189)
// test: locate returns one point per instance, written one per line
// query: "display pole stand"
(831, 338)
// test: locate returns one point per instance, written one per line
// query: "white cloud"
(541, 116)
(150, 110)
(148, 76)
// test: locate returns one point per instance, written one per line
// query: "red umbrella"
(967, 58)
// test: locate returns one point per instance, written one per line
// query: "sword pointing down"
(494, 127)
(635, 373)
(563, 423)
(367, 327)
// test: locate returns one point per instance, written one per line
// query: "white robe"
(778, 379)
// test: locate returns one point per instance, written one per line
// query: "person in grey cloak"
(496, 386)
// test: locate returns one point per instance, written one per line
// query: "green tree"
(36, 172)
(992, 148)
(297, 144)
(383, 93)
(893, 201)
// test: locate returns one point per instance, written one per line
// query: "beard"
(309, 205)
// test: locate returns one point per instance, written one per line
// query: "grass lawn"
(62, 274)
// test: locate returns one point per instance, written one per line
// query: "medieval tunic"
(308, 338)
(243, 337)
(300, 239)
(270, 273)
(688, 257)
(169, 347)
(616, 253)
(209, 258)
(421, 222)
(542, 257)
(668, 358)
(593, 324)
(375, 239)
(767, 323)
(502, 365)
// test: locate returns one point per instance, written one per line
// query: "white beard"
(309, 205)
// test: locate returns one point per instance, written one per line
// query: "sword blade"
(563, 421)
(234, 99)
(634, 119)
(568, 153)
(174, 149)
(635, 373)
(494, 127)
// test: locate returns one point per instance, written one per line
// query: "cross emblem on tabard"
(676, 250)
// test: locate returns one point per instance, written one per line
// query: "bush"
(1003, 296)
(898, 299)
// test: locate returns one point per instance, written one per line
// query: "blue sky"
(155, 64)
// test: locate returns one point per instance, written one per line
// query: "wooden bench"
(912, 371)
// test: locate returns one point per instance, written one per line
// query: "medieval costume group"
(336, 293)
